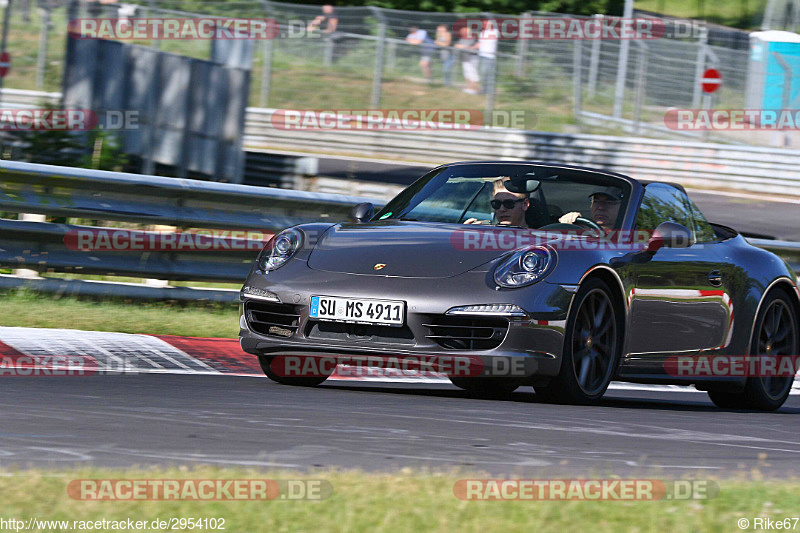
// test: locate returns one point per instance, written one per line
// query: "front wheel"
(775, 334)
(266, 366)
(592, 344)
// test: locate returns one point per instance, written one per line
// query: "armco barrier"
(708, 165)
(149, 200)
(98, 194)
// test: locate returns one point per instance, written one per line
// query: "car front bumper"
(531, 345)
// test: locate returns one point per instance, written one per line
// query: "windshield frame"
(434, 178)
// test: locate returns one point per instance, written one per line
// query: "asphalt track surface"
(744, 212)
(250, 421)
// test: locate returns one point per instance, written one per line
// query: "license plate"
(358, 310)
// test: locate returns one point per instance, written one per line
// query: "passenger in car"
(509, 207)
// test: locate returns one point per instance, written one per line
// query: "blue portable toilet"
(766, 76)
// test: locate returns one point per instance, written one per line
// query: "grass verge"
(28, 309)
(399, 501)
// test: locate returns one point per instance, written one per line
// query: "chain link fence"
(366, 62)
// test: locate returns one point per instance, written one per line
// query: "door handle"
(715, 278)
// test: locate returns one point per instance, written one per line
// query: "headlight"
(525, 267)
(284, 246)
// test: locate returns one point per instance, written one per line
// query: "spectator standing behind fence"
(469, 60)
(328, 19)
(420, 37)
(328, 23)
(487, 53)
(443, 40)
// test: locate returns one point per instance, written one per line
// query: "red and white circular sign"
(5, 64)
(711, 80)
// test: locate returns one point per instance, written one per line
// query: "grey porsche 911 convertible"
(506, 274)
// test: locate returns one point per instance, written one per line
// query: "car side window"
(663, 203)
(702, 229)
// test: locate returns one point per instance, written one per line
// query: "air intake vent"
(467, 333)
(276, 320)
(360, 333)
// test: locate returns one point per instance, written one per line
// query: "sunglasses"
(606, 203)
(508, 204)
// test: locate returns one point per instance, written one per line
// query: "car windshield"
(485, 193)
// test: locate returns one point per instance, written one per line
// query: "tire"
(592, 346)
(266, 362)
(728, 400)
(498, 386)
(775, 332)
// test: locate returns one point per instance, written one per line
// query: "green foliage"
(200, 319)
(106, 153)
(392, 500)
(93, 149)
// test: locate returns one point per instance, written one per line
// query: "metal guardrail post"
(640, 86)
(377, 76)
(490, 94)
(267, 48)
(594, 61)
(327, 50)
(522, 50)
(708, 99)
(41, 57)
(155, 282)
(27, 272)
(700, 66)
(577, 80)
(622, 66)
(391, 56)
(156, 43)
(786, 96)
(769, 10)
(491, 86)
(327, 54)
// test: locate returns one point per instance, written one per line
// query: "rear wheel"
(486, 385)
(591, 348)
(775, 334)
(266, 366)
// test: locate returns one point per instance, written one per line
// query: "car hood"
(407, 249)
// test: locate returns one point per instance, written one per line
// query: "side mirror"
(670, 235)
(362, 212)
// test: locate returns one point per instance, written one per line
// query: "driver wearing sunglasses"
(509, 207)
